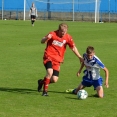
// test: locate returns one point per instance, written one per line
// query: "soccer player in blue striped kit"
(92, 73)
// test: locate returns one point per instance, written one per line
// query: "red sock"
(46, 84)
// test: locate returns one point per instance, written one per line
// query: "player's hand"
(78, 73)
(45, 39)
(29, 15)
(81, 59)
(49, 36)
(36, 15)
(107, 85)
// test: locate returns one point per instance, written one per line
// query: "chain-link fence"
(62, 10)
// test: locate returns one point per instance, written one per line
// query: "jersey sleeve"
(101, 65)
(70, 42)
(84, 55)
(49, 34)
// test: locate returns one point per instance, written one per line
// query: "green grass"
(21, 66)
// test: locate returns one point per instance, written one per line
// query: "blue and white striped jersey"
(92, 67)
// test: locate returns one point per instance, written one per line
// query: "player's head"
(62, 29)
(90, 52)
(33, 4)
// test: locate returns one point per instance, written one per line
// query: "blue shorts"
(89, 82)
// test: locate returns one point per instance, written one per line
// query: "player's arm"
(81, 67)
(46, 38)
(75, 50)
(106, 76)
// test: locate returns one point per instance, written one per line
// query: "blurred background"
(76, 10)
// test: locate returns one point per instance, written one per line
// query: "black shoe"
(74, 91)
(44, 93)
(39, 85)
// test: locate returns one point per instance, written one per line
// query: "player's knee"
(54, 79)
(49, 73)
(101, 96)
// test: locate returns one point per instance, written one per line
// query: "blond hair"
(62, 26)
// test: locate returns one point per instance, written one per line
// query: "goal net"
(71, 10)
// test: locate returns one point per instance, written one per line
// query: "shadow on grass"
(18, 90)
(72, 98)
(25, 90)
(35, 92)
(58, 92)
(95, 95)
(63, 92)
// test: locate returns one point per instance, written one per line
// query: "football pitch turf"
(21, 65)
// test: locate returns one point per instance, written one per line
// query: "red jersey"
(56, 46)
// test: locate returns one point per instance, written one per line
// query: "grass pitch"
(21, 66)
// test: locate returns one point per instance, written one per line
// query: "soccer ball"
(82, 94)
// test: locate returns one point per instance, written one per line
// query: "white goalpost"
(73, 7)
(2, 8)
(24, 9)
(97, 6)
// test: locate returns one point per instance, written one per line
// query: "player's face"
(33, 5)
(62, 31)
(90, 56)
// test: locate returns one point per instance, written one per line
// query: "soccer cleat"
(74, 91)
(44, 93)
(69, 91)
(39, 85)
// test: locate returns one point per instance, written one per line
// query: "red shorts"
(55, 64)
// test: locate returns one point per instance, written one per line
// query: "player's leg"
(46, 80)
(86, 82)
(74, 91)
(99, 90)
(52, 75)
(56, 70)
(53, 79)
(34, 18)
(32, 22)
(98, 86)
(81, 86)
(31, 19)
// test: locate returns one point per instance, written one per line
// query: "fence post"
(2, 9)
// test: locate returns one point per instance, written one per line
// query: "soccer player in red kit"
(54, 55)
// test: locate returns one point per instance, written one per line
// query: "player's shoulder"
(68, 35)
(84, 55)
(53, 32)
(96, 58)
(99, 62)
